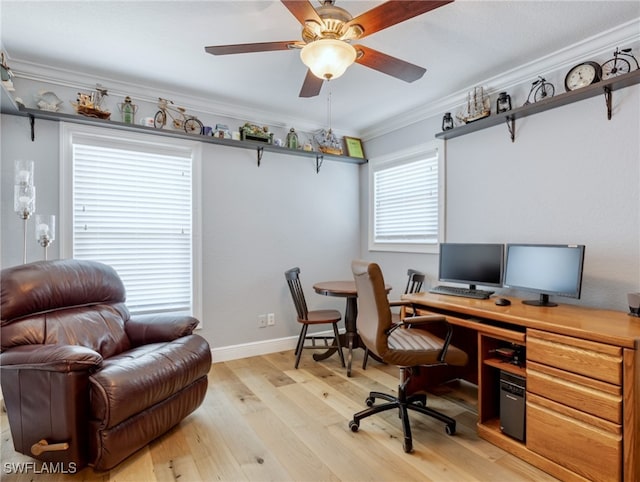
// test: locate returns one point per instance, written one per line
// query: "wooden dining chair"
(415, 280)
(314, 317)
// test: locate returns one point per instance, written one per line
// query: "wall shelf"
(9, 107)
(605, 87)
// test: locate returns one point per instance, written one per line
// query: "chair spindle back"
(293, 280)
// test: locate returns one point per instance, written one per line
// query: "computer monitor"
(546, 269)
(471, 263)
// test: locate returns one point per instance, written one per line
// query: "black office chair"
(406, 344)
(315, 317)
(415, 279)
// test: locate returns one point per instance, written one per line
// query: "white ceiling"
(159, 45)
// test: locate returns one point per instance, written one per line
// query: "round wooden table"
(350, 339)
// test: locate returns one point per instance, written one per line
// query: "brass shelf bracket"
(511, 125)
(319, 161)
(607, 99)
(259, 151)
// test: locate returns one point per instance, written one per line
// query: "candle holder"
(24, 197)
(45, 230)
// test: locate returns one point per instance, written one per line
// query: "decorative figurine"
(179, 118)
(447, 121)
(90, 105)
(6, 74)
(292, 139)
(328, 142)
(503, 104)
(48, 101)
(253, 132)
(478, 106)
(128, 110)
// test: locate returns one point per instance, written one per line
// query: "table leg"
(350, 316)
(349, 339)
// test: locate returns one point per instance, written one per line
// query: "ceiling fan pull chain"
(329, 108)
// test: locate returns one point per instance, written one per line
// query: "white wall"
(257, 222)
(572, 176)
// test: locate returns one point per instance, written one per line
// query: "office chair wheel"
(370, 401)
(354, 426)
(450, 428)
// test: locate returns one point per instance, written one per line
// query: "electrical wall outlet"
(271, 319)
(262, 321)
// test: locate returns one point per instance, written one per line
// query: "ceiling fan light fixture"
(328, 58)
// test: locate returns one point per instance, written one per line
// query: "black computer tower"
(512, 405)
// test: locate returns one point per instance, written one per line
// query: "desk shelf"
(506, 366)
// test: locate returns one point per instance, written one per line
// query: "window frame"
(135, 141)
(398, 158)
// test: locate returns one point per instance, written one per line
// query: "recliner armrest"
(53, 358)
(156, 328)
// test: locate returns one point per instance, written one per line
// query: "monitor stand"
(543, 301)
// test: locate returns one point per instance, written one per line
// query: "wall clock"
(582, 75)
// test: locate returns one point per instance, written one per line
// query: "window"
(406, 193)
(130, 201)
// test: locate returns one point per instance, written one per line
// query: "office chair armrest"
(416, 320)
(427, 319)
(423, 319)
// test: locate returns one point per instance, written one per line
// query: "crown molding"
(601, 45)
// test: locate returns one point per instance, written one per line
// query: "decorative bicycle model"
(540, 89)
(181, 121)
(617, 65)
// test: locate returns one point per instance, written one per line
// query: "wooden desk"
(582, 371)
(351, 340)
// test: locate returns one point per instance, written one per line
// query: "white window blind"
(406, 201)
(132, 209)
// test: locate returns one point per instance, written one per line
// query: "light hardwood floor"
(262, 420)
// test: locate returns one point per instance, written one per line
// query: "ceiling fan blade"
(248, 48)
(388, 65)
(302, 10)
(391, 13)
(311, 85)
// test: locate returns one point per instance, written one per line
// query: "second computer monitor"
(471, 263)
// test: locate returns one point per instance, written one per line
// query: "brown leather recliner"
(83, 381)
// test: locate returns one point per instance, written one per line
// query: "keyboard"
(464, 292)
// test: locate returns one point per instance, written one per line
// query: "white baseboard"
(245, 350)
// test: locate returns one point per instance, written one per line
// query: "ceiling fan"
(327, 36)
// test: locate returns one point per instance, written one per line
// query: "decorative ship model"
(328, 142)
(478, 106)
(90, 105)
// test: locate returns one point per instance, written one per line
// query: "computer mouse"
(503, 302)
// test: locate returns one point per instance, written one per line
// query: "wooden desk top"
(605, 326)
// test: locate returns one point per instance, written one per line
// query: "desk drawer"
(588, 358)
(588, 450)
(585, 394)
